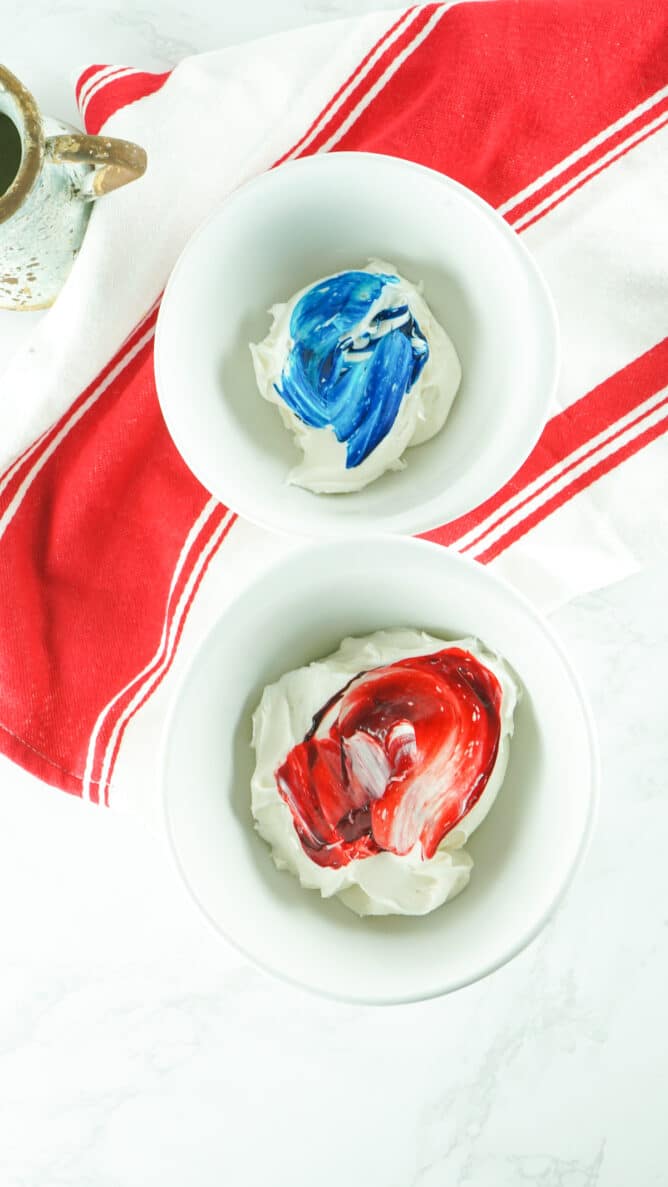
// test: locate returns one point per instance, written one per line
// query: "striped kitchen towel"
(113, 559)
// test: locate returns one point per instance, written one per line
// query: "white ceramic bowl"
(323, 214)
(525, 851)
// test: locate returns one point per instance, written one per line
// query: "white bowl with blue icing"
(329, 213)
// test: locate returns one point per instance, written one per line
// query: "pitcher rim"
(32, 144)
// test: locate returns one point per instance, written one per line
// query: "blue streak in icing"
(353, 382)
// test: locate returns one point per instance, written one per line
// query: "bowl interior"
(313, 217)
(524, 852)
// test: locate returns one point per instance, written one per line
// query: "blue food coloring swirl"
(350, 378)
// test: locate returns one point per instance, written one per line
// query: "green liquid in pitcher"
(10, 152)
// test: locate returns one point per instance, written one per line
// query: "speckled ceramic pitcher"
(49, 173)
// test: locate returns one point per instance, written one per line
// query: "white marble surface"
(137, 1050)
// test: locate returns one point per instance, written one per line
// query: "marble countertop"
(137, 1050)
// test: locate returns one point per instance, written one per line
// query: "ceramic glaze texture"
(45, 207)
(40, 241)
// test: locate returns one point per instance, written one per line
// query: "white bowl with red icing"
(524, 852)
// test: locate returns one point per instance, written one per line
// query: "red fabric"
(503, 91)
(369, 69)
(604, 466)
(495, 95)
(118, 92)
(580, 423)
(85, 77)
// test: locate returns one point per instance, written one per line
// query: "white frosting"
(384, 884)
(422, 413)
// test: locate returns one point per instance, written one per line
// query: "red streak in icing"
(400, 754)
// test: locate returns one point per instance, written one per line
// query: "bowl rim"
(428, 514)
(525, 936)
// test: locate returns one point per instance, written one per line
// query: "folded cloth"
(113, 559)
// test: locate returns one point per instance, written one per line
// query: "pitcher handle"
(115, 162)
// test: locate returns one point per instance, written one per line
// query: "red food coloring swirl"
(400, 754)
